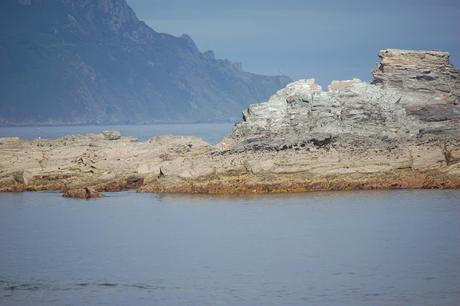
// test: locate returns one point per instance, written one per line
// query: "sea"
(398, 247)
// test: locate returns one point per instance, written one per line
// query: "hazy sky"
(327, 39)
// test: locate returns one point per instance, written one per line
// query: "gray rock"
(429, 84)
(412, 91)
(111, 135)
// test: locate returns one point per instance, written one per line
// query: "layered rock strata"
(402, 130)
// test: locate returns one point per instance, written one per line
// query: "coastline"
(87, 166)
(402, 130)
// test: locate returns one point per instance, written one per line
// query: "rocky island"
(402, 130)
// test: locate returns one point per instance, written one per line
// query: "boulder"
(111, 135)
(82, 193)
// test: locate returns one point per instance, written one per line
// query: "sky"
(326, 40)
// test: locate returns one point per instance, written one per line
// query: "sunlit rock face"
(414, 94)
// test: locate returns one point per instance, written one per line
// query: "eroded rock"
(408, 84)
(111, 135)
(82, 193)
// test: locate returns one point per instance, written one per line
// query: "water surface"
(210, 132)
(329, 248)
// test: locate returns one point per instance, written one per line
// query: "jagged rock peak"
(415, 93)
(301, 113)
(115, 15)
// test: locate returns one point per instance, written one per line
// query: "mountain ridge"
(95, 62)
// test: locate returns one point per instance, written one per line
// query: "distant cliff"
(93, 61)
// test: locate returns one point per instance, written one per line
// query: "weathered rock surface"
(428, 82)
(82, 193)
(400, 131)
(415, 95)
(75, 163)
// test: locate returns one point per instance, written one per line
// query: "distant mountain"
(93, 61)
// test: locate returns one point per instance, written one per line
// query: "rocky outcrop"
(400, 131)
(82, 193)
(429, 84)
(418, 71)
(414, 94)
(83, 166)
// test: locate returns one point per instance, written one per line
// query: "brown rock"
(82, 193)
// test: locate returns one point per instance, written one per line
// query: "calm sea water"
(210, 132)
(332, 248)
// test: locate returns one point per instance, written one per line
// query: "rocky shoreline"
(402, 130)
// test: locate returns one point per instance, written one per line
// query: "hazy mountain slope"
(93, 61)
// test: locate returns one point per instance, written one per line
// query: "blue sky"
(328, 39)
